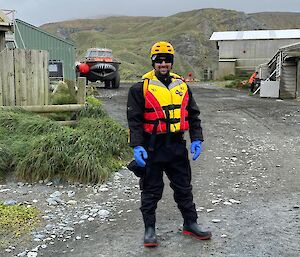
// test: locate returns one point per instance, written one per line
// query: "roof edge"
(45, 32)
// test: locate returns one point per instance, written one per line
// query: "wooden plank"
(20, 77)
(81, 94)
(50, 108)
(46, 77)
(71, 123)
(11, 79)
(298, 79)
(8, 82)
(40, 82)
(35, 92)
(23, 78)
(2, 40)
(4, 69)
(1, 77)
(29, 77)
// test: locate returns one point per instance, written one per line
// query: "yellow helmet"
(162, 47)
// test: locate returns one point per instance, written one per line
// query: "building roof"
(18, 21)
(256, 34)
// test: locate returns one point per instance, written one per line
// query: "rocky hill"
(131, 37)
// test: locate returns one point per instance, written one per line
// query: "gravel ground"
(245, 184)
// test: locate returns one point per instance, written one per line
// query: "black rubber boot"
(193, 229)
(150, 239)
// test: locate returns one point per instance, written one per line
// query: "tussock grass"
(6, 160)
(42, 149)
(62, 95)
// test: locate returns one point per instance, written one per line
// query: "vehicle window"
(105, 54)
(99, 54)
(92, 54)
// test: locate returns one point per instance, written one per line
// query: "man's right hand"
(140, 155)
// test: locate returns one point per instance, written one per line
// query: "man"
(159, 110)
(252, 82)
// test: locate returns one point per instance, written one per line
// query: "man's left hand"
(196, 149)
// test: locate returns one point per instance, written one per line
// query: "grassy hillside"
(131, 37)
(278, 20)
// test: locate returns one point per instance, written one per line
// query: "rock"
(22, 254)
(227, 203)
(103, 214)
(103, 189)
(223, 236)
(51, 201)
(72, 202)
(209, 210)
(216, 220)
(4, 190)
(84, 217)
(55, 194)
(10, 202)
(216, 201)
(71, 193)
(234, 201)
(32, 254)
(78, 237)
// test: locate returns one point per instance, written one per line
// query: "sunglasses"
(161, 59)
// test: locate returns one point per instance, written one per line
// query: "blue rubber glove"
(140, 155)
(196, 149)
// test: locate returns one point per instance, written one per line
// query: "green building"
(61, 51)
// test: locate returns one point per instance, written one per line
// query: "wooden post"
(2, 40)
(81, 93)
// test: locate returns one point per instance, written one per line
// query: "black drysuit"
(169, 155)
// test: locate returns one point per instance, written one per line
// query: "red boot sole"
(151, 245)
(185, 232)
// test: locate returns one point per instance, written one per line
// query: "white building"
(242, 51)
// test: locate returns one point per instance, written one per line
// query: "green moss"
(16, 221)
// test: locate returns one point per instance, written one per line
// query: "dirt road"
(246, 186)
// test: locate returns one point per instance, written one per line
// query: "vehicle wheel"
(116, 81)
(107, 84)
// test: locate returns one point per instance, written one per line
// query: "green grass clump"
(6, 160)
(38, 148)
(62, 95)
(16, 221)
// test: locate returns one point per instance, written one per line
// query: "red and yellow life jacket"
(165, 107)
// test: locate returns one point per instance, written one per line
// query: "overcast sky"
(38, 12)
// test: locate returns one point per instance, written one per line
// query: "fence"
(24, 77)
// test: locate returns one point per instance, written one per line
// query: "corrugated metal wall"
(288, 80)
(31, 37)
(250, 53)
